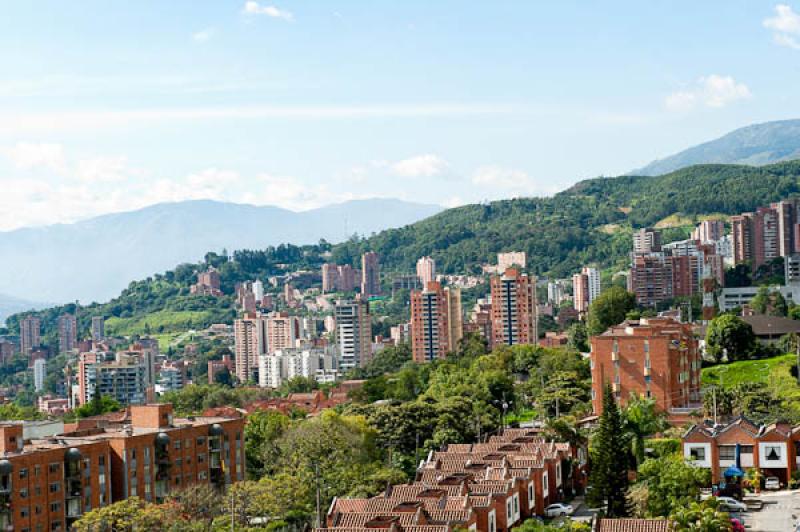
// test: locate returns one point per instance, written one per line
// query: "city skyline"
(253, 103)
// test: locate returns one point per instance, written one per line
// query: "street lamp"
(504, 405)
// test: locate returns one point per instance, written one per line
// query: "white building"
(730, 298)
(510, 259)
(258, 290)
(39, 373)
(287, 364)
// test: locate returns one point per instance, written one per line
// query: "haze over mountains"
(94, 259)
(754, 145)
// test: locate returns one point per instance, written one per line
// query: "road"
(781, 511)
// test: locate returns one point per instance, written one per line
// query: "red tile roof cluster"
(490, 485)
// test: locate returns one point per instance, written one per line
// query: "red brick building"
(47, 484)
(653, 357)
(773, 449)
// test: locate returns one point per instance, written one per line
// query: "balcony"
(646, 372)
(614, 356)
(615, 387)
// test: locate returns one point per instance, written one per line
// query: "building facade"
(250, 342)
(655, 357)
(353, 333)
(514, 316)
(585, 288)
(30, 330)
(426, 270)
(67, 333)
(436, 322)
(98, 328)
(370, 274)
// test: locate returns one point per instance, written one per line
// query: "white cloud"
(710, 91)
(32, 156)
(11, 122)
(785, 21)
(102, 169)
(203, 35)
(505, 182)
(427, 165)
(254, 8)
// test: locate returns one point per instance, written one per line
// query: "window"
(55, 506)
(187, 443)
(698, 454)
(37, 470)
(177, 445)
(772, 452)
(37, 510)
(727, 452)
(54, 468)
(23, 473)
(101, 460)
(25, 511)
(55, 487)
(23, 493)
(746, 449)
(201, 458)
(201, 440)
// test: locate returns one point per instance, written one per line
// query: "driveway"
(781, 511)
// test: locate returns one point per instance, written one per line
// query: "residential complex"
(208, 283)
(646, 240)
(514, 314)
(585, 288)
(67, 333)
(128, 377)
(489, 486)
(353, 333)
(436, 322)
(98, 328)
(276, 368)
(511, 259)
(426, 270)
(338, 278)
(370, 274)
(30, 330)
(48, 483)
(767, 233)
(250, 337)
(654, 357)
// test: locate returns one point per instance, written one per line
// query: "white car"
(772, 483)
(557, 509)
(729, 504)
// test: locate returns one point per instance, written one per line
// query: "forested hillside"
(588, 223)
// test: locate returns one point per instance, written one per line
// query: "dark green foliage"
(730, 335)
(610, 458)
(610, 308)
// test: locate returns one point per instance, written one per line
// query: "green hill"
(590, 222)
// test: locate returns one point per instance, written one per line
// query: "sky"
(112, 106)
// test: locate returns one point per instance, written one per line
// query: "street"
(780, 513)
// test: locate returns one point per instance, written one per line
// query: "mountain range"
(754, 145)
(93, 260)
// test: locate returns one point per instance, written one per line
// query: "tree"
(260, 435)
(609, 309)
(128, 515)
(640, 419)
(761, 301)
(610, 457)
(671, 483)
(701, 517)
(577, 339)
(100, 404)
(729, 335)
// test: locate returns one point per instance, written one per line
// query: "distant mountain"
(94, 259)
(754, 145)
(11, 305)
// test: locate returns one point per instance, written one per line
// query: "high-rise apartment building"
(338, 278)
(651, 279)
(39, 373)
(646, 240)
(30, 334)
(514, 315)
(426, 270)
(370, 274)
(353, 333)
(656, 358)
(67, 333)
(556, 292)
(709, 231)
(122, 376)
(436, 322)
(98, 328)
(585, 288)
(755, 235)
(250, 341)
(283, 331)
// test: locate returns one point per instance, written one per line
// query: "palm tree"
(641, 419)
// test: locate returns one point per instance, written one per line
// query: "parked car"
(729, 504)
(772, 483)
(557, 509)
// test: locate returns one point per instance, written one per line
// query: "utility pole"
(233, 511)
(714, 398)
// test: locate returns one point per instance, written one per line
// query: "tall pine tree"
(610, 458)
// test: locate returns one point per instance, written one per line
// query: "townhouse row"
(487, 487)
(46, 484)
(741, 444)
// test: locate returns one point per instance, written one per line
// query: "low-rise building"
(48, 483)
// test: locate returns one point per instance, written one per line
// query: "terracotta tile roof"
(480, 501)
(361, 519)
(349, 505)
(634, 525)
(449, 517)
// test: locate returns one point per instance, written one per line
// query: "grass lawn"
(775, 370)
(159, 323)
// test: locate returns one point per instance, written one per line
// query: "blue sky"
(110, 106)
